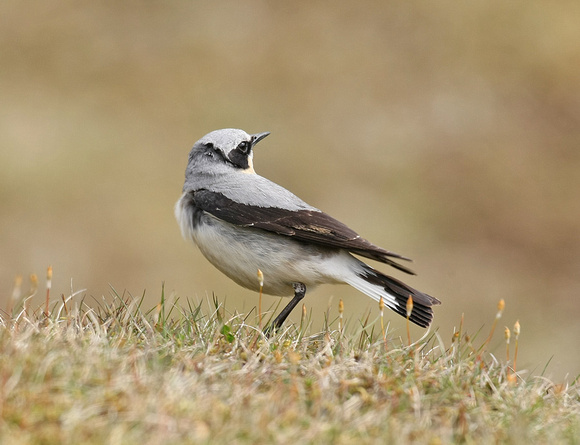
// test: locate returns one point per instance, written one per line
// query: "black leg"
(299, 292)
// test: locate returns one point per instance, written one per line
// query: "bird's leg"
(299, 292)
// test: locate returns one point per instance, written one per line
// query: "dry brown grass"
(174, 374)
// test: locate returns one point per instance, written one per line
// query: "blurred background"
(446, 132)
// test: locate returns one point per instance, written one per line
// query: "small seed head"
(500, 308)
(409, 306)
(33, 284)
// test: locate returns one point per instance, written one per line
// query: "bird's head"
(223, 150)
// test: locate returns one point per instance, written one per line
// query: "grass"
(117, 373)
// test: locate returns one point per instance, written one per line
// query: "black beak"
(258, 137)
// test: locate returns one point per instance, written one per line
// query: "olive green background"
(445, 131)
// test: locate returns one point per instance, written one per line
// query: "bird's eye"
(244, 147)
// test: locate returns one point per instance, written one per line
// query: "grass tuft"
(117, 373)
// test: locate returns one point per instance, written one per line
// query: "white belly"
(239, 252)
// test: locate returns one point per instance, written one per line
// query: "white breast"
(239, 252)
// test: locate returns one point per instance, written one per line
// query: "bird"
(242, 222)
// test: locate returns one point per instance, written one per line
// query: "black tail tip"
(421, 313)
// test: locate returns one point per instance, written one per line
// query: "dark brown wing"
(311, 226)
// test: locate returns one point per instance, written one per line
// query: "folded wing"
(311, 226)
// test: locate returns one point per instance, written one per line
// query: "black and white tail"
(395, 294)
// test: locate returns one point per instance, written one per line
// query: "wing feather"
(311, 226)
